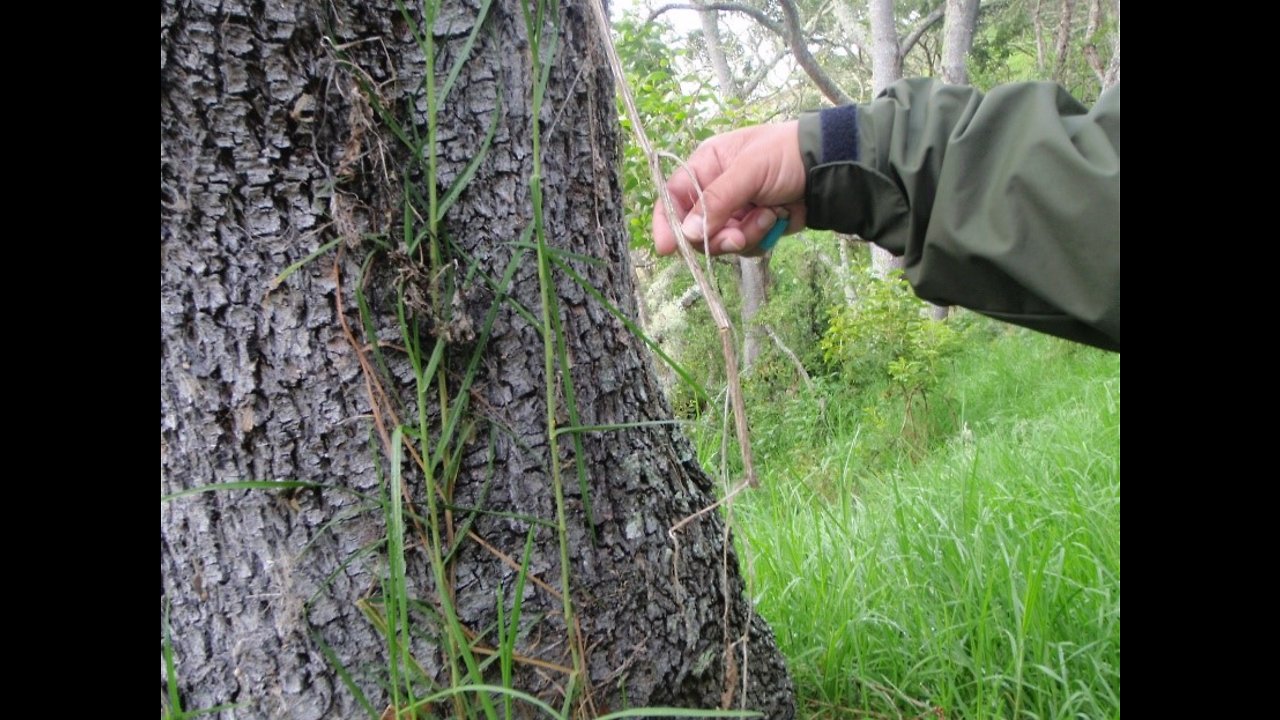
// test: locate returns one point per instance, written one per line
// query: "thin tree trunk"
(1113, 68)
(711, 36)
(790, 32)
(886, 63)
(1066, 10)
(269, 149)
(844, 272)
(957, 39)
(1091, 43)
(886, 69)
(1037, 25)
(754, 276)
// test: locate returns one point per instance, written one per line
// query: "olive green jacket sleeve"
(1007, 204)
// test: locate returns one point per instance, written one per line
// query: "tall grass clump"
(980, 580)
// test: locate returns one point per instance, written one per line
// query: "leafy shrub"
(888, 337)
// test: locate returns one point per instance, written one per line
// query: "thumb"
(735, 189)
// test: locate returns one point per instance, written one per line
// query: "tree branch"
(749, 86)
(804, 375)
(754, 13)
(1112, 75)
(913, 37)
(795, 38)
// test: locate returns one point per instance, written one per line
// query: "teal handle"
(775, 233)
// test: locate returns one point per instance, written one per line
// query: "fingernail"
(766, 219)
(731, 245)
(692, 227)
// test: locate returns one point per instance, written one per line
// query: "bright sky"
(686, 21)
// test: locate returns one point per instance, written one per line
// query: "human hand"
(746, 176)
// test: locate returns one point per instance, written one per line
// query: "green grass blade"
(679, 712)
(376, 104)
(465, 52)
(500, 289)
(461, 182)
(484, 691)
(464, 391)
(284, 274)
(170, 666)
(371, 331)
(365, 550)
(566, 429)
(562, 254)
(461, 535)
(679, 369)
(397, 609)
(214, 709)
(244, 485)
(508, 649)
(571, 405)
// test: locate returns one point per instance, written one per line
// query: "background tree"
(440, 365)
(1044, 40)
(899, 402)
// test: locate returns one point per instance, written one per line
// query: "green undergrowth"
(976, 576)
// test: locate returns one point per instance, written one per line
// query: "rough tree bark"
(269, 148)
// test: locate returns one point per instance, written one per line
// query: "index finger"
(704, 165)
(664, 241)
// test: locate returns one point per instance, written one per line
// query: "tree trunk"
(957, 38)
(711, 36)
(886, 63)
(886, 69)
(270, 147)
(754, 277)
(845, 271)
(1037, 24)
(1062, 47)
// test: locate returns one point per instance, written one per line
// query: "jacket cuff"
(841, 193)
(853, 199)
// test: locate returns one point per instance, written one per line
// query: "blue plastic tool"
(775, 233)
